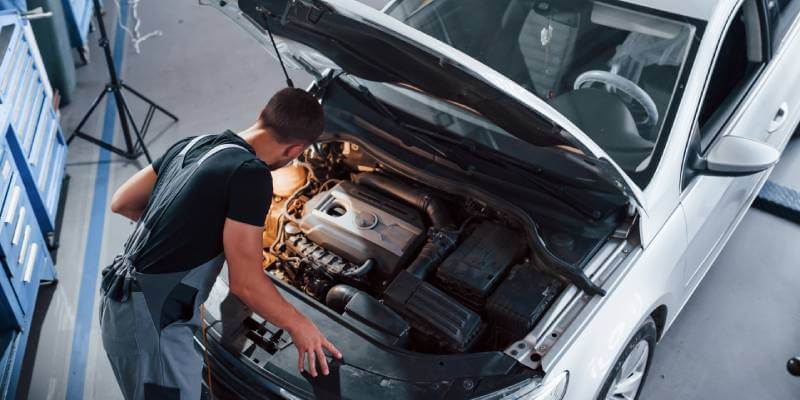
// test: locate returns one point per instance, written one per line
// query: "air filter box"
(478, 264)
(384, 324)
(433, 312)
(518, 303)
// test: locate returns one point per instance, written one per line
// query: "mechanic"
(203, 202)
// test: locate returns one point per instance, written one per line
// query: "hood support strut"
(289, 82)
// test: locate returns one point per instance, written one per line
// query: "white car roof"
(699, 9)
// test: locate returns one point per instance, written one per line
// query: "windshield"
(612, 71)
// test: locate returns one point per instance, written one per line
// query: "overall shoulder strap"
(190, 145)
(169, 183)
(217, 149)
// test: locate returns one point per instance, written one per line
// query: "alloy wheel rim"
(628, 381)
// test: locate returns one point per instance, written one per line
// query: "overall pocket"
(179, 306)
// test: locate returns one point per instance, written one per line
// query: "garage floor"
(731, 342)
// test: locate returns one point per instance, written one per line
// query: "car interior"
(612, 71)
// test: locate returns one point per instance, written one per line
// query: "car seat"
(547, 41)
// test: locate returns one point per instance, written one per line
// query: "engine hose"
(422, 199)
(441, 238)
(339, 295)
(285, 213)
(439, 243)
(360, 270)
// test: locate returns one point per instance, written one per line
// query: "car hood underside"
(345, 35)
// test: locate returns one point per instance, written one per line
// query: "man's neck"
(261, 141)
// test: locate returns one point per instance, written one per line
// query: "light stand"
(115, 86)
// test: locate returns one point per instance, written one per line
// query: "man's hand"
(310, 344)
(243, 247)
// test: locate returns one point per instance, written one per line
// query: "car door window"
(740, 58)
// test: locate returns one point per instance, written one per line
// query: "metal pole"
(115, 83)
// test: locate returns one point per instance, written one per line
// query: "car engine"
(406, 264)
(363, 226)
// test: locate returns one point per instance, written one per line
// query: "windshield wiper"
(444, 151)
(472, 147)
(479, 150)
(367, 95)
(383, 109)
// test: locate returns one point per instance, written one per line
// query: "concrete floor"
(731, 341)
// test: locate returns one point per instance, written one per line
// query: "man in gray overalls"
(202, 203)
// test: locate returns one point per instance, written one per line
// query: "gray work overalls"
(153, 358)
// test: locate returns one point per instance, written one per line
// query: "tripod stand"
(115, 86)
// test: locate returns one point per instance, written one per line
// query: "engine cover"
(358, 224)
(478, 264)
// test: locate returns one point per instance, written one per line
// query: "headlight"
(553, 388)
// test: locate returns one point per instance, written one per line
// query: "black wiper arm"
(438, 150)
(537, 181)
(480, 150)
(383, 109)
(452, 157)
(427, 133)
(367, 95)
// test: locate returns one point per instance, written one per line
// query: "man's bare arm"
(131, 198)
(243, 251)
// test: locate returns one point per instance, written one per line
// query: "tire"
(645, 334)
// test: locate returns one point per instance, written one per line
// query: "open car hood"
(319, 35)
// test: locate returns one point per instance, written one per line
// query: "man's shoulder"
(236, 158)
(238, 167)
(230, 158)
(252, 178)
(254, 169)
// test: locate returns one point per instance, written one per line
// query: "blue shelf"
(32, 158)
(38, 144)
(19, 5)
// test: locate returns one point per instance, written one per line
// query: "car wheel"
(626, 380)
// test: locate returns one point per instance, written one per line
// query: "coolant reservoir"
(287, 179)
(271, 223)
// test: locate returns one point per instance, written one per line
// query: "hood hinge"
(316, 10)
(623, 230)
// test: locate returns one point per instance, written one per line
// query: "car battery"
(479, 263)
(520, 300)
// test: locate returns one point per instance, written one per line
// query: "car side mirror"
(738, 156)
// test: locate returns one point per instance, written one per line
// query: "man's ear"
(292, 151)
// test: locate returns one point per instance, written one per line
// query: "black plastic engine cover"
(384, 323)
(433, 312)
(478, 264)
(358, 224)
(518, 303)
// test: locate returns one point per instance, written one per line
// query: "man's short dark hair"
(294, 115)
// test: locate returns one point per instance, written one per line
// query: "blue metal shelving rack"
(32, 159)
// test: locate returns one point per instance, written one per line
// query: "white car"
(513, 199)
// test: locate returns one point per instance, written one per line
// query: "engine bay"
(406, 264)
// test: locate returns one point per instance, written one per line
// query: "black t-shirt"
(231, 184)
